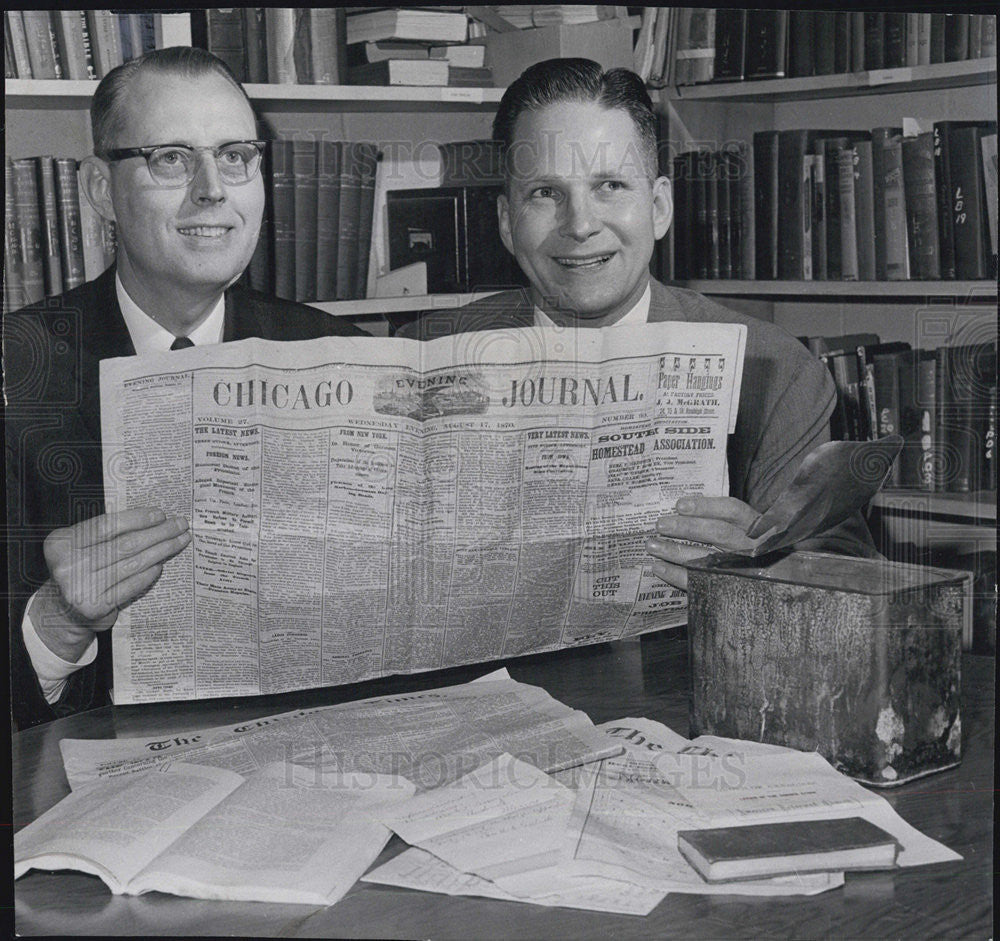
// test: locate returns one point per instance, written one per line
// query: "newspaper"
(362, 507)
(431, 737)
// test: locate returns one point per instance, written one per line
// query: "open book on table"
(288, 833)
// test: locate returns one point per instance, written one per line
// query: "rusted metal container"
(857, 659)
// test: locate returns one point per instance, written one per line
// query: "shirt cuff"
(52, 671)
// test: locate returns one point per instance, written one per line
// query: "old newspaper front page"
(364, 506)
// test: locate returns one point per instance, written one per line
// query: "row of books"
(53, 238)
(691, 45)
(84, 44)
(916, 202)
(942, 401)
(315, 243)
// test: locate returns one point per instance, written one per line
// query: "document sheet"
(362, 507)
(431, 737)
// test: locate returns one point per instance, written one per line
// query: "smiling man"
(176, 166)
(582, 209)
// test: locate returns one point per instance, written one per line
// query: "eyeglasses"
(175, 165)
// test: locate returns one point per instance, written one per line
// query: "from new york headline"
(367, 506)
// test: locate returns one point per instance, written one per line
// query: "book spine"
(105, 40)
(937, 37)
(848, 224)
(842, 43)
(682, 218)
(70, 235)
(723, 200)
(874, 41)
(326, 33)
(41, 49)
(792, 203)
(733, 162)
(227, 40)
(864, 205)
(136, 34)
(988, 479)
(13, 259)
(818, 204)
(828, 154)
(19, 43)
(838, 418)
(30, 229)
(51, 251)
(347, 231)
(712, 221)
(857, 42)
(924, 38)
(70, 35)
(967, 202)
(869, 411)
(767, 43)
(748, 244)
(926, 379)
(124, 36)
(897, 261)
(305, 195)
(824, 41)
(942, 190)
(702, 231)
(302, 47)
(368, 155)
(280, 33)
(912, 39)
(172, 29)
(766, 222)
(894, 49)
(989, 39)
(921, 206)
(887, 404)
(255, 37)
(327, 218)
(260, 271)
(911, 413)
(988, 143)
(801, 24)
(956, 37)
(975, 36)
(283, 218)
(730, 51)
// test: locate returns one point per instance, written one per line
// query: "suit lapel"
(242, 318)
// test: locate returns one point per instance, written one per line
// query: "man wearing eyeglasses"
(176, 166)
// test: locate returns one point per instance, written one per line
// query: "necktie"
(181, 343)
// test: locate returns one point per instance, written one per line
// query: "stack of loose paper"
(608, 830)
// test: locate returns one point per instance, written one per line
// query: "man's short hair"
(106, 110)
(583, 80)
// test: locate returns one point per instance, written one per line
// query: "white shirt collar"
(638, 314)
(149, 337)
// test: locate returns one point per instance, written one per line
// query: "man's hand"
(95, 568)
(712, 522)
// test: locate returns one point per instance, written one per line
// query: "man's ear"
(663, 206)
(503, 216)
(95, 181)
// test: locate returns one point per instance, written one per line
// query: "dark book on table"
(765, 169)
(755, 851)
(283, 218)
(922, 231)
(327, 218)
(730, 45)
(766, 43)
(304, 183)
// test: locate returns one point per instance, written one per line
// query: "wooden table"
(636, 678)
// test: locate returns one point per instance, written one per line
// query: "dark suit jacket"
(786, 397)
(52, 352)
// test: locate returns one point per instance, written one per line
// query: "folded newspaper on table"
(431, 737)
(362, 507)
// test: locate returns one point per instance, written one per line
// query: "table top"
(646, 677)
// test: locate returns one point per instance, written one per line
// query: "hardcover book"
(724, 854)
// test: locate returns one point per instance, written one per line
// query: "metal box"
(858, 659)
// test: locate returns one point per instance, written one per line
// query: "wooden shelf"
(66, 93)
(883, 81)
(975, 292)
(388, 305)
(974, 507)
